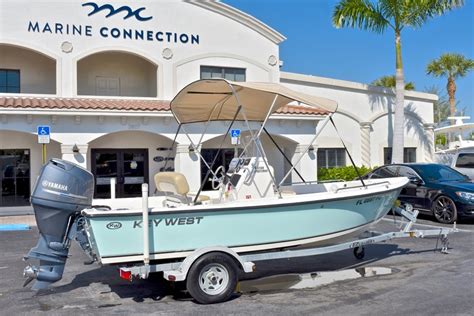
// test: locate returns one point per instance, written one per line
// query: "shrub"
(346, 173)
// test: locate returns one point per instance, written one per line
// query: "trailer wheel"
(359, 252)
(212, 278)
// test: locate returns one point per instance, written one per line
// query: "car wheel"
(444, 209)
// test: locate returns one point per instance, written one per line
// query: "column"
(365, 143)
(188, 163)
(307, 166)
(75, 153)
(428, 148)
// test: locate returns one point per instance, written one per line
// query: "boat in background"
(458, 152)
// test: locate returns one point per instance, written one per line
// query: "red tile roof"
(7, 102)
(83, 104)
(301, 110)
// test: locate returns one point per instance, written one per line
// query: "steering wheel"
(216, 180)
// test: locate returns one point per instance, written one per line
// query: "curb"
(6, 221)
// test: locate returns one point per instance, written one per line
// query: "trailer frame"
(178, 271)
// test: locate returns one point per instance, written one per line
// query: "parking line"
(14, 227)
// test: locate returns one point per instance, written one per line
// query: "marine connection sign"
(115, 12)
(113, 32)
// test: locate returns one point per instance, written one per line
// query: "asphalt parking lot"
(424, 282)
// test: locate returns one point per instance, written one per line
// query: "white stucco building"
(101, 75)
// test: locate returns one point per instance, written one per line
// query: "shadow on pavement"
(156, 288)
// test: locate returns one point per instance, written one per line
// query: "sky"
(313, 46)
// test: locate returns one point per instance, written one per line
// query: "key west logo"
(112, 11)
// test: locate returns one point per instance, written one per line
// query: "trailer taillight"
(126, 275)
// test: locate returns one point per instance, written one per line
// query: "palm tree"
(378, 16)
(452, 66)
(389, 82)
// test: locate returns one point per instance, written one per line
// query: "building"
(101, 75)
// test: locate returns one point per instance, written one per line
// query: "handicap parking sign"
(43, 134)
(235, 137)
(235, 133)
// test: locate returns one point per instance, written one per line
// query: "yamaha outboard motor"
(62, 190)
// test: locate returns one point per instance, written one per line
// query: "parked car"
(433, 189)
(464, 163)
(461, 160)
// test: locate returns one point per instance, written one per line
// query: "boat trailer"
(209, 279)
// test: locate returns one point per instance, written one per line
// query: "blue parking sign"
(235, 133)
(43, 130)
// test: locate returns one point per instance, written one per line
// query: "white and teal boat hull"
(306, 219)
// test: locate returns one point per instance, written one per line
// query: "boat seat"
(176, 183)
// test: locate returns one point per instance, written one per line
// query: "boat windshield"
(439, 173)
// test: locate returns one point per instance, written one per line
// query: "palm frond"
(390, 82)
(450, 65)
(415, 13)
(361, 14)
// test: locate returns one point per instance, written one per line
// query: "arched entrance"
(132, 158)
(114, 73)
(23, 70)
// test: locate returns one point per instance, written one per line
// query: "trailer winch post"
(146, 236)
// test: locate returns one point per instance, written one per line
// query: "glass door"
(128, 166)
(134, 172)
(14, 177)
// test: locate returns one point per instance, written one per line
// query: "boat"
(250, 212)
(455, 135)
(457, 152)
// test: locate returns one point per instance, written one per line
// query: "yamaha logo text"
(54, 185)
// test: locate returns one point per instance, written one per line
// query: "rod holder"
(146, 236)
(113, 186)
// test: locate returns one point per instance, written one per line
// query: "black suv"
(434, 189)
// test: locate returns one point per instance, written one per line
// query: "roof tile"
(17, 102)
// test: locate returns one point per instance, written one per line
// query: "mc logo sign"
(113, 11)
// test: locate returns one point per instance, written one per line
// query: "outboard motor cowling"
(62, 190)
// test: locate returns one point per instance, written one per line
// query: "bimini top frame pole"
(204, 101)
(319, 130)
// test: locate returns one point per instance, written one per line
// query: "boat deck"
(300, 193)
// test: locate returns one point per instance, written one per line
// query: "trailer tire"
(212, 278)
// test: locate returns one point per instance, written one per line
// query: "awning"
(218, 100)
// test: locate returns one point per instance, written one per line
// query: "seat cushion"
(174, 182)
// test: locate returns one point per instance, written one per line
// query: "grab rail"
(316, 182)
(362, 186)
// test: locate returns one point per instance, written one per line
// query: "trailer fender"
(181, 273)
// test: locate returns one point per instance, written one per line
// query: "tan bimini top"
(219, 99)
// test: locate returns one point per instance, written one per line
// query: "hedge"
(346, 173)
